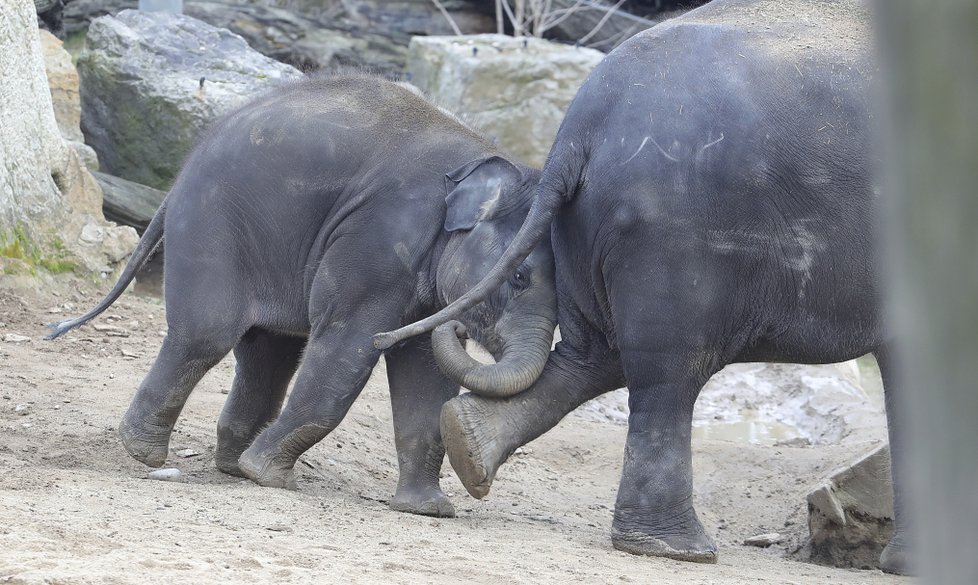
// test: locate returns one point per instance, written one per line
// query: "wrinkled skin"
(710, 201)
(304, 222)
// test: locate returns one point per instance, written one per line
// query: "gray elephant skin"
(710, 200)
(302, 223)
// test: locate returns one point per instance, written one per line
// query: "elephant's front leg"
(335, 367)
(481, 433)
(418, 391)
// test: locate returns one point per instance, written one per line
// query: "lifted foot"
(145, 443)
(699, 550)
(430, 502)
(266, 471)
(229, 450)
(472, 449)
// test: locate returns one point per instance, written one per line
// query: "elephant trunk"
(520, 364)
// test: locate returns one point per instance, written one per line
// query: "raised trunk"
(535, 227)
(522, 359)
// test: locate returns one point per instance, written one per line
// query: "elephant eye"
(520, 280)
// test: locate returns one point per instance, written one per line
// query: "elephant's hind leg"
(418, 391)
(265, 365)
(182, 362)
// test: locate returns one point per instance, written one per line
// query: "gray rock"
(304, 42)
(311, 36)
(514, 90)
(166, 474)
(763, 540)
(16, 338)
(850, 516)
(143, 104)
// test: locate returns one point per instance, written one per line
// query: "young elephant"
(302, 223)
(710, 200)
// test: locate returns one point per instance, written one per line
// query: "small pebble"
(167, 474)
(22, 409)
(15, 338)
(186, 453)
(763, 540)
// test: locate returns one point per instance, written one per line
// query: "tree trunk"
(929, 52)
(128, 203)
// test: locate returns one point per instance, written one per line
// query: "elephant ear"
(474, 190)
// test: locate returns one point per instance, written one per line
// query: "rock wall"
(151, 82)
(514, 90)
(64, 84)
(50, 205)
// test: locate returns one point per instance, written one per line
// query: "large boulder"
(316, 34)
(514, 90)
(304, 42)
(850, 515)
(152, 82)
(50, 205)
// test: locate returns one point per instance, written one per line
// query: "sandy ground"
(74, 508)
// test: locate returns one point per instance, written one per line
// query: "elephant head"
(487, 201)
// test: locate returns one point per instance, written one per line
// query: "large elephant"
(302, 223)
(710, 200)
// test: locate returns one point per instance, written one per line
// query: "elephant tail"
(148, 244)
(558, 184)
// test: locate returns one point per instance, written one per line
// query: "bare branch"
(604, 19)
(448, 17)
(517, 26)
(560, 15)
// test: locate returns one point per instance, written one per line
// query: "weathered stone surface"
(143, 104)
(304, 42)
(763, 540)
(514, 90)
(850, 516)
(63, 82)
(47, 196)
(317, 34)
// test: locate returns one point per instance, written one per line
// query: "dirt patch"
(74, 508)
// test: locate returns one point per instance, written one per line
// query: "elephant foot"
(697, 549)
(265, 470)
(678, 536)
(229, 450)
(426, 502)
(471, 442)
(897, 559)
(146, 443)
